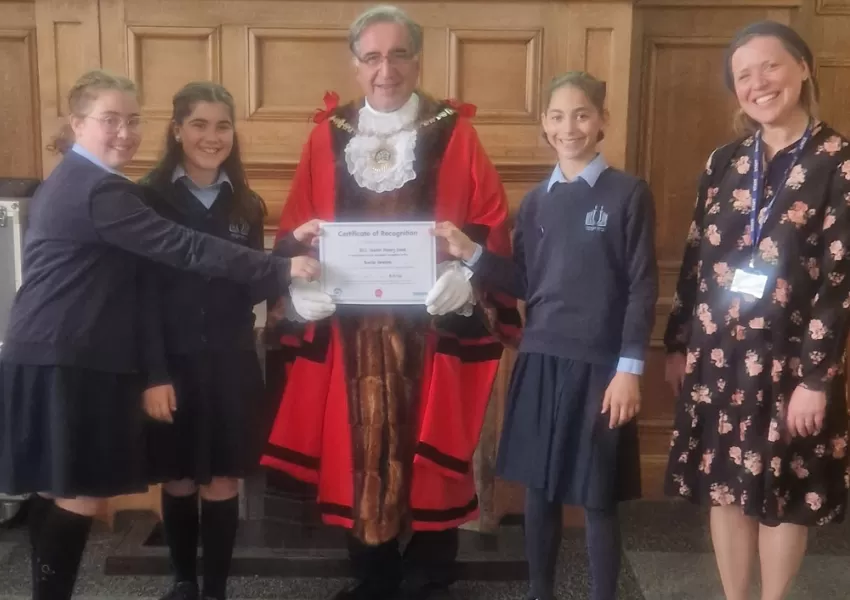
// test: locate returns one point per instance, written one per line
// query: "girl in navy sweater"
(71, 419)
(205, 379)
(584, 262)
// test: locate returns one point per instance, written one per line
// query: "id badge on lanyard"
(750, 280)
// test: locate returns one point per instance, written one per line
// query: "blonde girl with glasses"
(70, 386)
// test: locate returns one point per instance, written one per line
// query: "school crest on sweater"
(596, 219)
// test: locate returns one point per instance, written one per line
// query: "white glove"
(308, 301)
(452, 292)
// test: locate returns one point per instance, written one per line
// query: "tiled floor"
(667, 557)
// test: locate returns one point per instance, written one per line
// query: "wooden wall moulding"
(163, 59)
(524, 172)
(833, 7)
(283, 78)
(477, 58)
(656, 433)
(68, 44)
(725, 3)
(19, 113)
(675, 100)
(833, 76)
(529, 173)
(600, 39)
(18, 15)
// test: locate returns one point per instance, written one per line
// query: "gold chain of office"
(384, 156)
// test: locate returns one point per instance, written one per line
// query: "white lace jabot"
(380, 156)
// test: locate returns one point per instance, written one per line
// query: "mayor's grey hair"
(384, 13)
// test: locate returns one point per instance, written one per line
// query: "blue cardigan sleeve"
(122, 219)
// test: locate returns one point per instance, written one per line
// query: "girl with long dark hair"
(205, 382)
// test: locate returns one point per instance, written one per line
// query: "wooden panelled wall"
(662, 60)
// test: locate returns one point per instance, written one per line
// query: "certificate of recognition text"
(378, 262)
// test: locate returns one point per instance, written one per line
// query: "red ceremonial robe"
(383, 410)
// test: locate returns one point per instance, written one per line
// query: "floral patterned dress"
(745, 356)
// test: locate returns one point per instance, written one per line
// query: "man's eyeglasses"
(113, 123)
(374, 60)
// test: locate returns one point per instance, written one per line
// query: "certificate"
(378, 262)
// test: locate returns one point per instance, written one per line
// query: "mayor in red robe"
(383, 405)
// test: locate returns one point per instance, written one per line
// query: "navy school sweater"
(87, 232)
(189, 313)
(584, 261)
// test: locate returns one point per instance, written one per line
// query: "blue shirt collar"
(180, 172)
(590, 173)
(77, 149)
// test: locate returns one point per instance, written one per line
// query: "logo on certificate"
(379, 292)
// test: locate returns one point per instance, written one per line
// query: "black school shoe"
(182, 590)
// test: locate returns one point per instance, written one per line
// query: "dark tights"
(543, 525)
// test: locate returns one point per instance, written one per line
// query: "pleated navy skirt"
(70, 431)
(217, 429)
(555, 439)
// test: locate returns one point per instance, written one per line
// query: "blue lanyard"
(758, 185)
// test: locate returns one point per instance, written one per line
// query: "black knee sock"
(39, 506)
(543, 525)
(219, 521)
(180, 525)
(38, 509)
(603, 550)
(58, 552)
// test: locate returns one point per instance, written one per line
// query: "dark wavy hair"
(247, 204)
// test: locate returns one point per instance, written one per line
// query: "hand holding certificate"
(378, 262)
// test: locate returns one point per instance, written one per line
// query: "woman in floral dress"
(759, 324)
